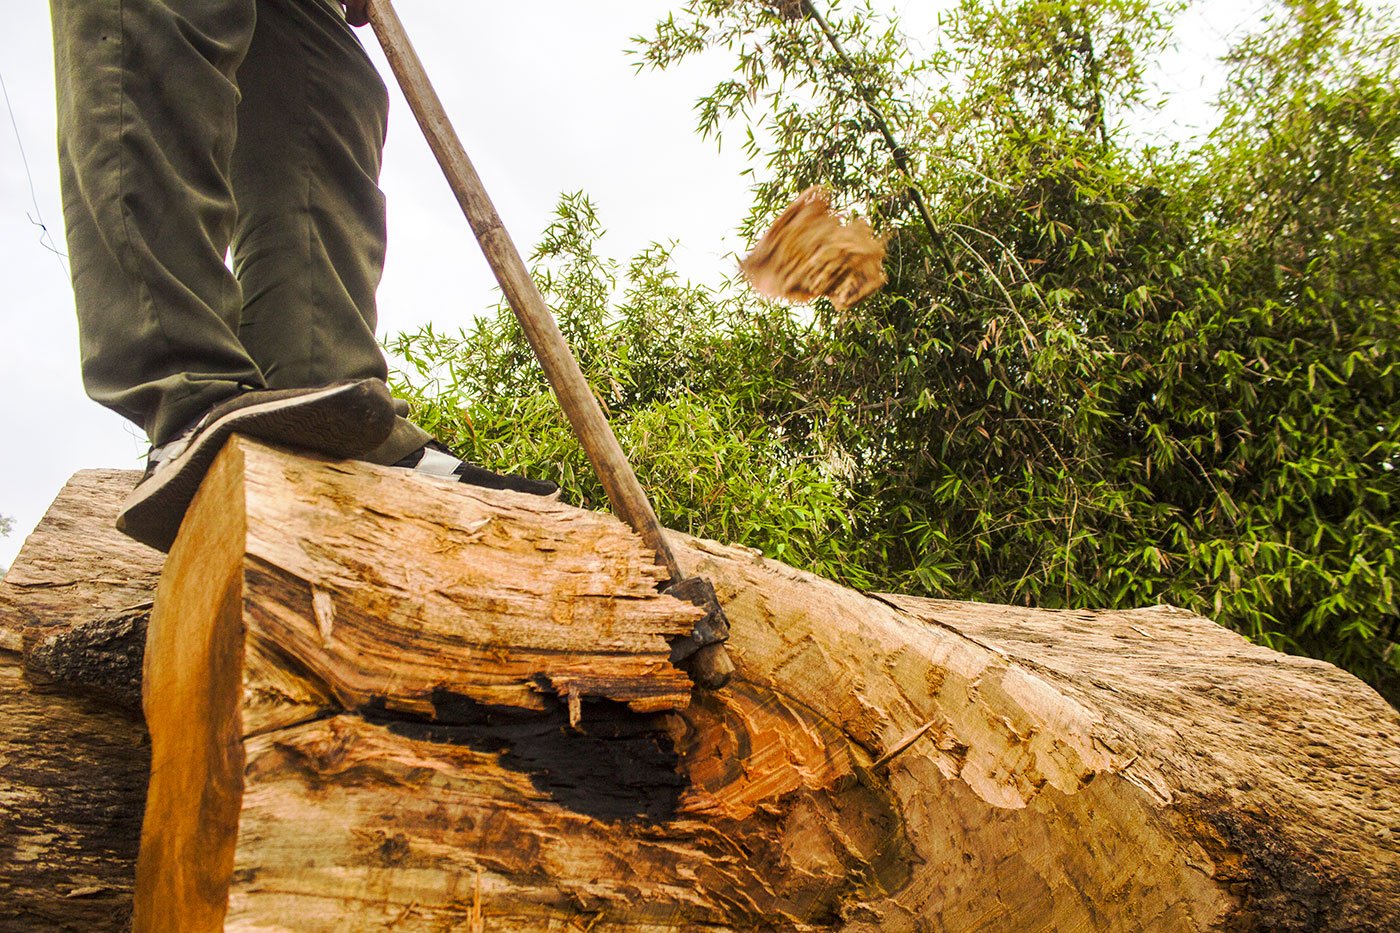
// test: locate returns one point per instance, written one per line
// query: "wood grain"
(879, 763)
(76, 566)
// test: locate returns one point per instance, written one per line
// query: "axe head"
(701, 654)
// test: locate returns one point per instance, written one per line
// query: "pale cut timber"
(367, 579)
(879, 763)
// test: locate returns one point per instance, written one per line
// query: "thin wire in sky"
(37, 218)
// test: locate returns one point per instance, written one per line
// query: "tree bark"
(369, 710)
(73, 748)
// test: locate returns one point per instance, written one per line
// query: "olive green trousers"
(195, 131)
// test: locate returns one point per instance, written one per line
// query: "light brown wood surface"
(576, 397)
(880, 763)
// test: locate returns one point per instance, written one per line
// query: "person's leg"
(308, 248)
(146, 104)
(309, 244)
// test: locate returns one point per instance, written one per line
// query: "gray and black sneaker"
(342, 420)
(435, 460)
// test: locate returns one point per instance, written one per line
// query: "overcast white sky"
(546, 101)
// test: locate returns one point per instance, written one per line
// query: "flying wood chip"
(809, 253)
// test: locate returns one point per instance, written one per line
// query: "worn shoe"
(436, 461)
(342, 420)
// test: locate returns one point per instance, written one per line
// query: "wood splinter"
(902, 745)
(809, 253)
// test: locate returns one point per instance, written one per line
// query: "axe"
(701, 654)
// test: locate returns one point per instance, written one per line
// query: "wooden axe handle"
(710, 667)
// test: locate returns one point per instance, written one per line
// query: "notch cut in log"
(879, 763)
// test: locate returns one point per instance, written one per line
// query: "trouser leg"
(308, 248)
(309, 245)
(147, 105)
(163, 169)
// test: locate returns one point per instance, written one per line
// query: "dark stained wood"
(73, 750)
(72, 787)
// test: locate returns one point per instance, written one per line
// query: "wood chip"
(809, 253)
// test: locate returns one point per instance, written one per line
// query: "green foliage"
(1101, 374)
(1304, 183)
(7, 525)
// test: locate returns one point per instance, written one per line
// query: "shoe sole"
(340, 421)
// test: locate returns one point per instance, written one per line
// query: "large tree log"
(880, 763)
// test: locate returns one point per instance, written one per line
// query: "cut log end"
(300, 588)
